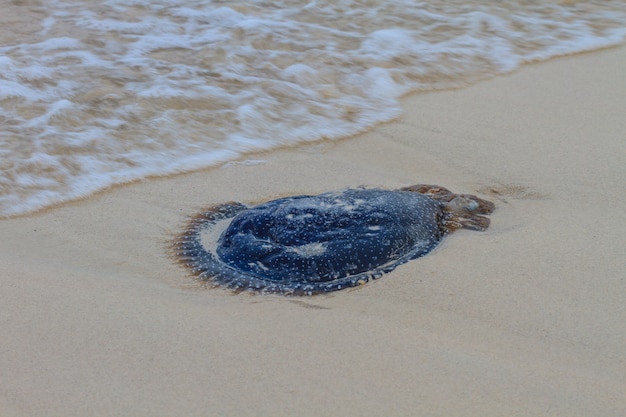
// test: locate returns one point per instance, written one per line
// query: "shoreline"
(523, 318)
(255, 157)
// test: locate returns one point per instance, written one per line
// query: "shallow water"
(98, 93)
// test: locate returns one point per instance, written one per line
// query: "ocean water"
(98, 93)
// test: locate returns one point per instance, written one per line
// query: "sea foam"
(98, 93)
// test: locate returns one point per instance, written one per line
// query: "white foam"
(52, 44)
(107, 92)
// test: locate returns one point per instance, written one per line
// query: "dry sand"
(526, 319)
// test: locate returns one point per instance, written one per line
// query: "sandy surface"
(526, 319)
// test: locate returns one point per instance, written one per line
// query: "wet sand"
(526, 319)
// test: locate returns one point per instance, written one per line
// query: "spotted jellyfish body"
(322, 243)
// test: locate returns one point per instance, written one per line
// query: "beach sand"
(525, 319)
